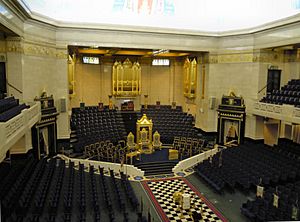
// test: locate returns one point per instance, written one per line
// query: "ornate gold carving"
(37, 50)
(17, 45)
(144, 128)
(126, 79)
(14, 45)
(71, 75)
(190, 78)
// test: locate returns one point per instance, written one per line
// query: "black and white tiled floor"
(161, 193)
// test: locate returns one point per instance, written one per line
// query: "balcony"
(287, 113)
(14, 129)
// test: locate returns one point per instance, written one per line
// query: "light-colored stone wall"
(32, 68)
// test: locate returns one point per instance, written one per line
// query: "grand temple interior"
(149, 110)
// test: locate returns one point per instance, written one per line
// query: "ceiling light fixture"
(160, 51)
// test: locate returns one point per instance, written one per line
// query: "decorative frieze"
(37, 50)
(14, 45)
(245, 57)
(18, 45)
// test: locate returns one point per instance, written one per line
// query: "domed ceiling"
(213, 16)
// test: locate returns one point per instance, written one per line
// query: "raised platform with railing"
(14, 129)
(116, 167)
(135, 171)
(194, 160)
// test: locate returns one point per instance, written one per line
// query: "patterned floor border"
(160, 209)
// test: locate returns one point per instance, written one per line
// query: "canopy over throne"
(144, 134)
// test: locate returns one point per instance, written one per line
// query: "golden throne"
(144, 134)
(131, 145)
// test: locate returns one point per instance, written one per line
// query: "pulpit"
(144, 134)
(45, 131)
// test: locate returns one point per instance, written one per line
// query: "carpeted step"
(156, 164)
(157, 168)
(152, 173)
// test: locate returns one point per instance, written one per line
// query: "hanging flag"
(275, 200)
(259, 191)
(210, 159)
(295, 213)
(122, 162)
(220, 161)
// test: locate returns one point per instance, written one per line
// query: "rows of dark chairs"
(288, 148)
(107, 151)
(18, 196)
(90, 125)
(188, 147)
(48, 190)
(263, 209)
(170, 122)
(129, 191)
(43, 188)
(246, 166)
(54, 194)
(69, 192)
(288, 94)
(9, 174)
(9, 108)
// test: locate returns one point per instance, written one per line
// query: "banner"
(295, 213)
(275, 200)
(220, 161)
(259, 191)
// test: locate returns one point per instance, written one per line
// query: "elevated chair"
(131, 148)
(145, 144)
(156, 144)
(131, 145)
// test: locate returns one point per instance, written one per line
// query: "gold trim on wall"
(126, 79)
(17, 45)
(203, 81)
(190, 78)
(263, 56)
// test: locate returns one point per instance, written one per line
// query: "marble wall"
(32, 68)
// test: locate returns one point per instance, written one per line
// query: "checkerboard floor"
(161, 193)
